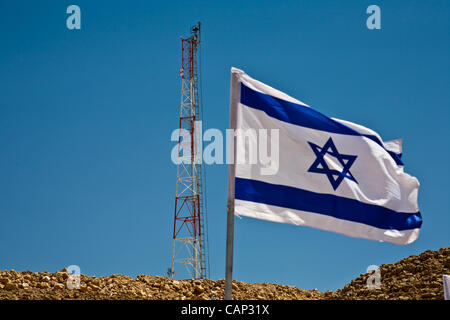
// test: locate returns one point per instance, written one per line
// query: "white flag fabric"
(330, 174)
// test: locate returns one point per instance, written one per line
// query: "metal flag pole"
(229, 252)
(231, 160)
(230, 226)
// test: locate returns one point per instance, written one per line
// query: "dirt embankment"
(415, 277)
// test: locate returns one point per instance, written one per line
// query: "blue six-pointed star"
(320, 165)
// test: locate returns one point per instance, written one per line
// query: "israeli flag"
(330, 174)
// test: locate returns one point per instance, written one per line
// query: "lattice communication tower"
(189, 251)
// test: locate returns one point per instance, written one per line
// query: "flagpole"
(231, 155)
(229, 253)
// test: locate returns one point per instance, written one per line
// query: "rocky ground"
(416, 277)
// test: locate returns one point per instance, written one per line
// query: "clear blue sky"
(86, 118)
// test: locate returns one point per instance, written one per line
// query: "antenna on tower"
(189, 243)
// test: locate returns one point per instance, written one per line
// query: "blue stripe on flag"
(300, 115)
(326, 204)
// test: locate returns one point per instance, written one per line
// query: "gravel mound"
(45, 285)
(416, 277)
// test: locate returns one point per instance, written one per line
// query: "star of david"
(320, 165)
